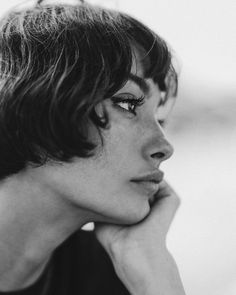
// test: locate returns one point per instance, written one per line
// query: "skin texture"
(139, 253)
(40, 207)
(131, 145)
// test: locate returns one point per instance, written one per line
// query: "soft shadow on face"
(134, 145)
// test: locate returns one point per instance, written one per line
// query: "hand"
(139, 253)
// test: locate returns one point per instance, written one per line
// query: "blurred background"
(202, 129)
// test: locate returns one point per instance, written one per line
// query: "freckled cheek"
(121, 147)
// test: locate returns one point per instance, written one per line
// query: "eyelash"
(134, 102)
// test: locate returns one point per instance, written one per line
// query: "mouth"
(147, 187)
(155, 176)
(149, 183)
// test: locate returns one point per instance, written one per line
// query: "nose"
(158, 149)
(163, 150)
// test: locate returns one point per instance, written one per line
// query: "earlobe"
(100, 110)
(102, 119)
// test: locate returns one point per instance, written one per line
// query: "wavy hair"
(57, 62)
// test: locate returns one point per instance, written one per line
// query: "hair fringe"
(57, 62)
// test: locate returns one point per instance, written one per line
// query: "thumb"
(164, 207)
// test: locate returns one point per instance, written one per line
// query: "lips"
(154, 177)
(149, 183)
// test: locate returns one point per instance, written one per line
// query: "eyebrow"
(140, 82)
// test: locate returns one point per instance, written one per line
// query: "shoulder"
(91, 250)
(83, 253)
(84, 241)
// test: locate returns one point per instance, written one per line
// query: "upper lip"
(156, 177)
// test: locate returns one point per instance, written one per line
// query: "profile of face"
(134, 146)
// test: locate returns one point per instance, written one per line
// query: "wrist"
(169, 285)
(165, 285)
(151, 277)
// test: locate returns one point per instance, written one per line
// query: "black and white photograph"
(117, 147)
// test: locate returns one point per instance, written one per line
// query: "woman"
(84, 92)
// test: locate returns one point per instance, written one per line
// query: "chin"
(131, 215)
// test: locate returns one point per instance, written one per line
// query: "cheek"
(119, 148)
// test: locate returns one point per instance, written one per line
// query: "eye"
(128, 102)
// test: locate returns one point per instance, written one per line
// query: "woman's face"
(134, 146)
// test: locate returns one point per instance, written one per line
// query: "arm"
(139, 253)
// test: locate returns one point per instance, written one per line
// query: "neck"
(33, 222)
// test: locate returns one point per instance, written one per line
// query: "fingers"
(164, 207)
(158, 221)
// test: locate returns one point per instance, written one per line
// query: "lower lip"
(149, 187)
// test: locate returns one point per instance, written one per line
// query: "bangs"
(57, 62)
(110, 39)
(156, 57)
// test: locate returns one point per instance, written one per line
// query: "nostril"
(158, 155)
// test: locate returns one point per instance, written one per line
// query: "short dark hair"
(56, 63)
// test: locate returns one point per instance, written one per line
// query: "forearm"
(159, 286)
(160, 278)
(139, 253)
